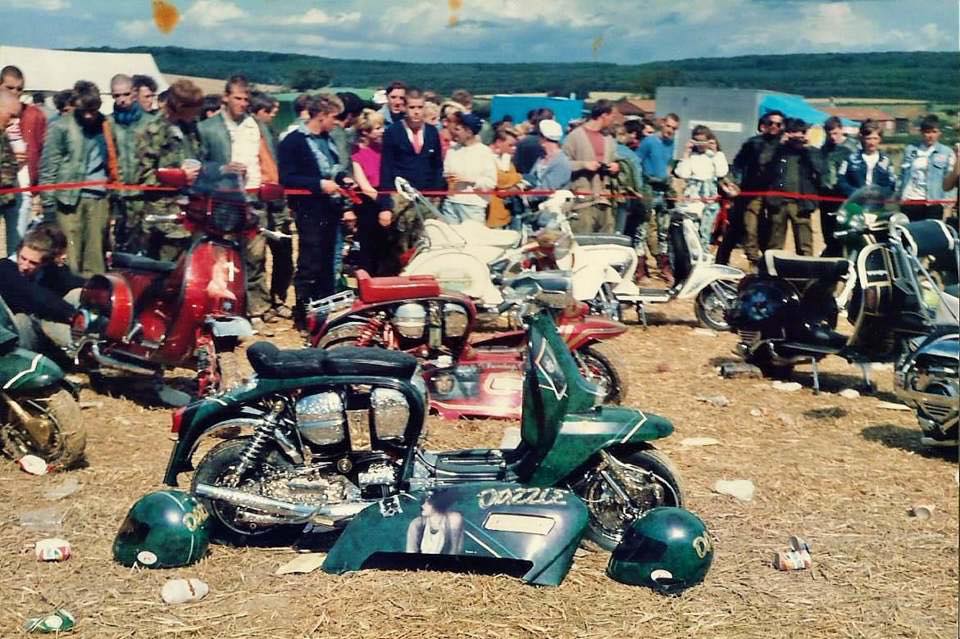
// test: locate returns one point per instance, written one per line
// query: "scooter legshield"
(531, 532)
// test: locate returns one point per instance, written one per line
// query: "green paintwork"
(560, 422)
(23, 370)
(488, 516)
(582, 435)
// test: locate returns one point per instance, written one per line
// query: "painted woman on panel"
(438, 530)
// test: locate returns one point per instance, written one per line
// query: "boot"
(666, 272)
(643, 270)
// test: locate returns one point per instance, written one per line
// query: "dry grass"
(841, 473)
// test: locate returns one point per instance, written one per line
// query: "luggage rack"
(332, 304)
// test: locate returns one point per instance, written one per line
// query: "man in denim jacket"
(922, 171)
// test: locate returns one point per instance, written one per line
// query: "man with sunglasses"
(751, 174)
(127, 121)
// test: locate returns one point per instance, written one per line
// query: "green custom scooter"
(292, 450)
(39, 414)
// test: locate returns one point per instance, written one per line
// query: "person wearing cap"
(795, 168)
(552, 170)
(469, 166)
(592, 155)
(465, 99)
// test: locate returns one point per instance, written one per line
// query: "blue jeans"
(15, 223)
(455, 213)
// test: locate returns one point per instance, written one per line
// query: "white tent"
(55, 70)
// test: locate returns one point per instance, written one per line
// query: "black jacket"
(748, 166)
(41, 297)
(423, 170)
(811, 172)
(299, 170)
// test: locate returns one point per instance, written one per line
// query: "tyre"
(768, 368)
(226, 526)
(712, 302)
(652, 482)
(342, 335)
(57, 415)
(599, 369)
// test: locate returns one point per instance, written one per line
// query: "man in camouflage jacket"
(166, 142)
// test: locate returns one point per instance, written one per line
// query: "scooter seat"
(390, 289)
(799, 267)
(377, 362)
(594, 239)
(268, 361)
(141, 263)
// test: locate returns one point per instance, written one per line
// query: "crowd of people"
(627, 175)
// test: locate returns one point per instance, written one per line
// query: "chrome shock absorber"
(262, 434)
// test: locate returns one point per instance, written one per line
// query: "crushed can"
(52, 549)
(33, 465)
(792, 560)
(58, 621)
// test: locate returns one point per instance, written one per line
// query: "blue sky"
(495, 30)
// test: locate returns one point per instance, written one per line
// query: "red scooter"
(144, 315)
(466, 375)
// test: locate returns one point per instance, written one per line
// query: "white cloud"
(319, 17)
(134, 29)
(212, 13)
(42, 5)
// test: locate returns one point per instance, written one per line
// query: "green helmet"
(667, 549)
(164, 529)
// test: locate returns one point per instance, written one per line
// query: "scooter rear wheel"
(654, 483)
(68, 438)
(599, 369)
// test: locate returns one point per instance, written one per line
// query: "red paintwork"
(391, 289)
(493, 363)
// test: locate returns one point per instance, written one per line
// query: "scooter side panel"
(457, 271)
(478, 522)
(583, 435)
(23, 370)
(702, 276)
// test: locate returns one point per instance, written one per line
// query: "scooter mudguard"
(23, 370)
(705, 275)
(531, 532)
(582, 435)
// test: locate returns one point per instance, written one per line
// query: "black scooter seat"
(268, 361)
(141, 263)
(379, 362)
(593, 239)
(798, 267)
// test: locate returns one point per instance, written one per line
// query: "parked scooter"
(787, 314)
(146, 315)
(39, 413)
(293, 456)
(466, 376)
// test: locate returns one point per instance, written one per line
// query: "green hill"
(913, 75)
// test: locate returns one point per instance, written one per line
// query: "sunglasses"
(774, 123)
(122, 95)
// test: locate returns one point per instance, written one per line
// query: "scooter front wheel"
(649, 480)
(59, 425)
(712, 303)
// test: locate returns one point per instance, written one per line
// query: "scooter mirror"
(270, 192)
(898, 219)
(172, 177)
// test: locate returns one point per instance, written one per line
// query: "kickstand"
(642, 312)
(816, 376)
(865, 371)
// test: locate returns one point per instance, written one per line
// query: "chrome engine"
(927, 380)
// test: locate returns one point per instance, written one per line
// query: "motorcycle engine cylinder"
(410, 320)
(321, 419)
(389, 413)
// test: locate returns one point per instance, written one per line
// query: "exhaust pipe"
(110, 362)
(279, 507)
